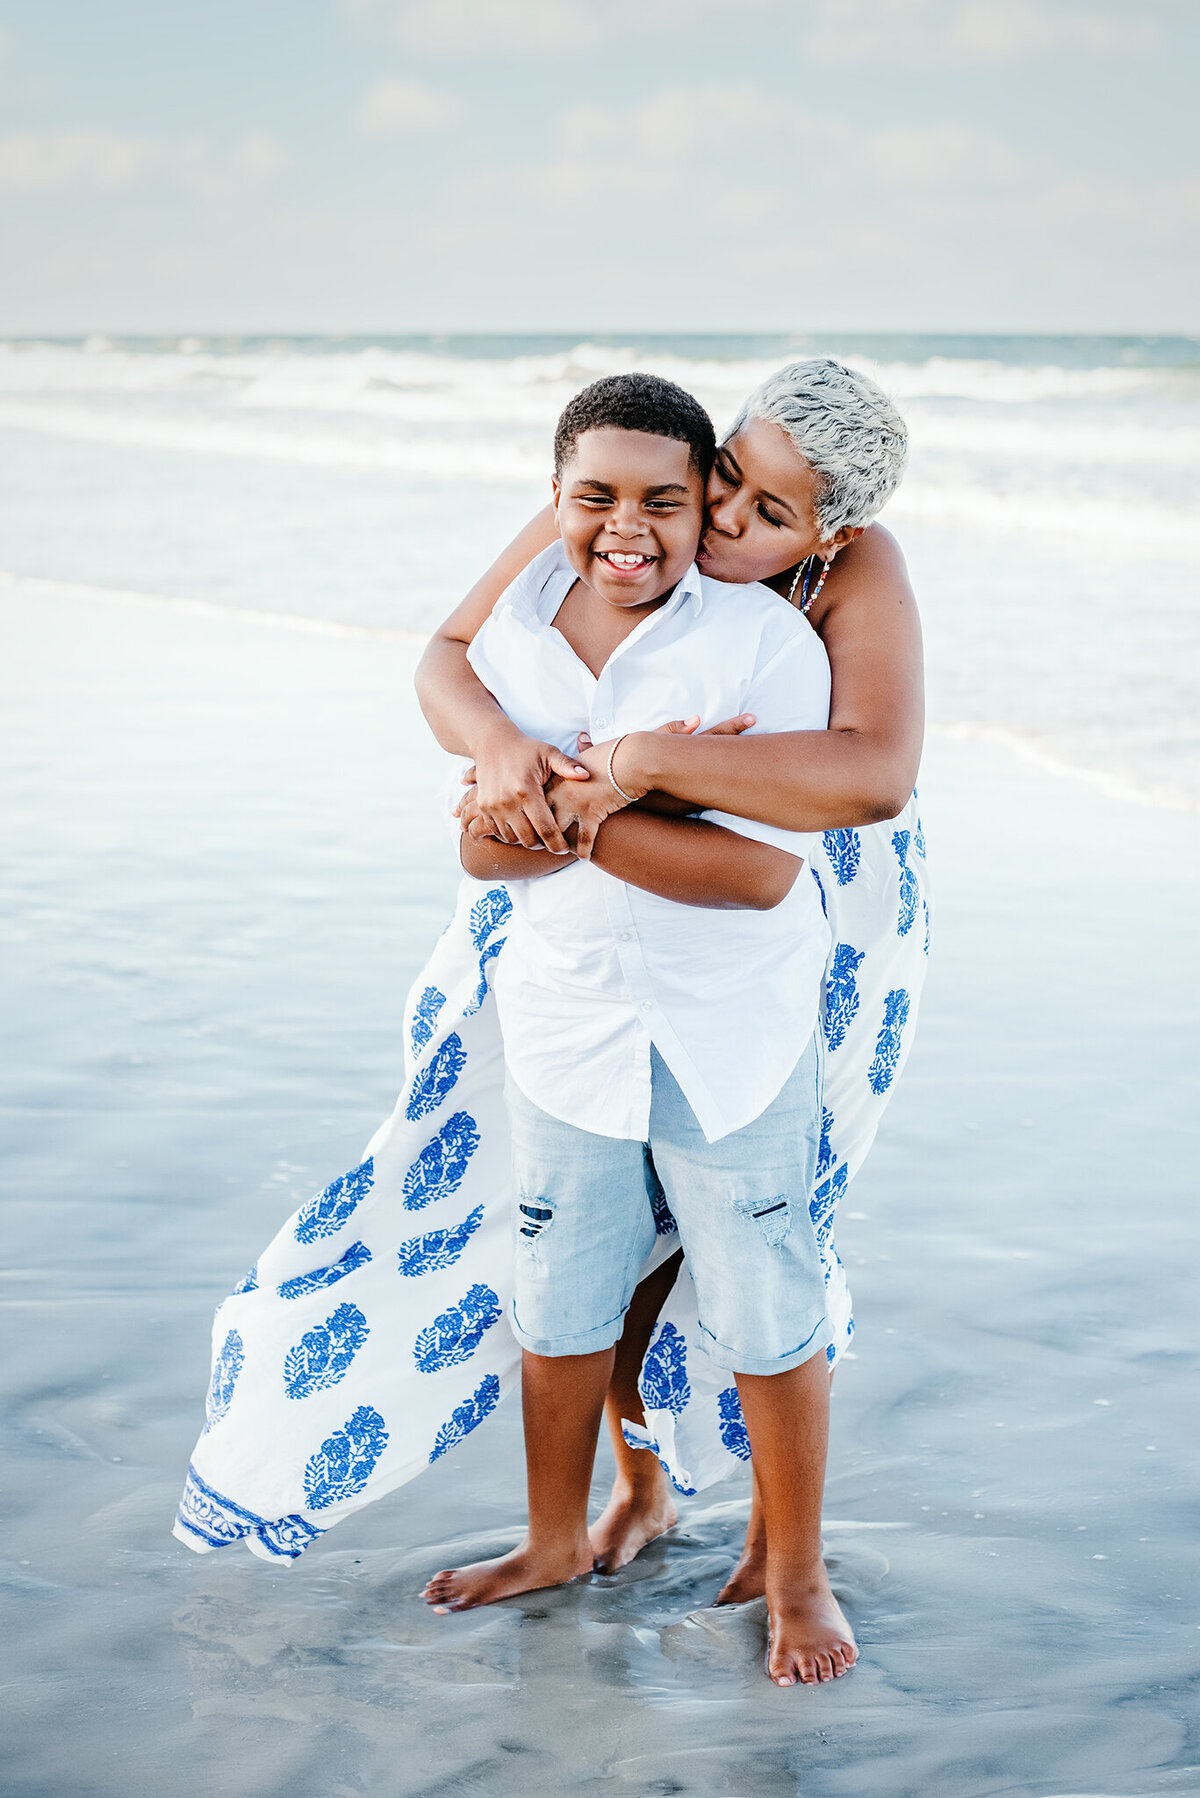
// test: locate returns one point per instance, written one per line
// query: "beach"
(226, 862)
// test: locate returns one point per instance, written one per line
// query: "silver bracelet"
(613, 781)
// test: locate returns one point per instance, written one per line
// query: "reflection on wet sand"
(192, 1046)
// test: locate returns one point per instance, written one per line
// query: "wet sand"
(225, 864)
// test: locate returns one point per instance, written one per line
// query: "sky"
(575, 165)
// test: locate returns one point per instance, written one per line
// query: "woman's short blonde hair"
(845, 427)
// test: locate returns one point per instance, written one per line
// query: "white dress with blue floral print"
(371, 1335)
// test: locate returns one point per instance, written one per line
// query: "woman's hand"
(507, 797)
(586, 807)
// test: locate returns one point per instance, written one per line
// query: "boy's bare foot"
(630, 1520)
(808, 1637)
(526, 1569)
(749, 1577)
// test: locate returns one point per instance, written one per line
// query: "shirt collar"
(541, 588)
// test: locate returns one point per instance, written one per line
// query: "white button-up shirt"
(594, 970)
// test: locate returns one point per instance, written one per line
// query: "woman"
(789, 497)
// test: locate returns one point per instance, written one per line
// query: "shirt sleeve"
(790, 692)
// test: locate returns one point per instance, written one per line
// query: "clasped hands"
(527, 793)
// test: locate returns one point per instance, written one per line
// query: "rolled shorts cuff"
(583, 1342)
(733, 1361)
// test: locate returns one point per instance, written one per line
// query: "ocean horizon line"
(1133, 349)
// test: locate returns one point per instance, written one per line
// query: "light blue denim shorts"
(585, 1225)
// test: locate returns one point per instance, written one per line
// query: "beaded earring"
(808, 599)
(800, 567)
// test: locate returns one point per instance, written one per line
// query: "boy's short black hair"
(637, 403)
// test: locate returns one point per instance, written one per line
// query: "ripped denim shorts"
(589, 1209)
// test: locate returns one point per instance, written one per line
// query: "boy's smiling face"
(630, 506)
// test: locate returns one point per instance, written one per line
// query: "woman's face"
(760, 518)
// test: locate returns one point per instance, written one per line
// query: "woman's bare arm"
(859, 771)
(684, 859)
(458, 708)
(512, 769)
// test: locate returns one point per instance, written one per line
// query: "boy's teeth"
(624, 561)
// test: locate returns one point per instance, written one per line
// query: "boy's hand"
(586, 807)
(507, 798)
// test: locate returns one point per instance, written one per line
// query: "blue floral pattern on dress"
(247, 1283)
(323, 1355)
(650, 1444)
(217, 1520)
(732, 1424)
(226, 1368)
(664, 1382)
(345, 1461)
(425, 1017)
(357, 1255)
(488, 913)
(841, 993)
(909, 892)
(664, 1217)
(481, 991)
(825, 1151)
(882, 1070)
(465, 1417)
(823, 1205)
(844, 850)
(440, 1167)
(433, 1083)
(453, 1337)
(325, 1215)
(820, 890)
(437, 1249)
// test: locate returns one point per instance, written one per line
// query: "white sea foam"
(1041, 754)
(1051, 509)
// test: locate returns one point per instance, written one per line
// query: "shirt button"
(624, 936)
(602, 724)
(646, 1005)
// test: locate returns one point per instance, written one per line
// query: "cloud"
(464, 27)
(42, 161)
(969, 31)
(787, 153)
(394, 107)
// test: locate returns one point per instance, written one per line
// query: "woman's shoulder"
(868, 573)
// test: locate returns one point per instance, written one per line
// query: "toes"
(824, 1667)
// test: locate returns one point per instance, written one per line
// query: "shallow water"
(225, 864)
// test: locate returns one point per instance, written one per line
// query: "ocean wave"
(1054, 758)
(1043, 510)
(1001, 496)
(309, 446)
(375, 378)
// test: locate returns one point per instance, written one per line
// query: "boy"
(655, 1050)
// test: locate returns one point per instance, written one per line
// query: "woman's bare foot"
(526, 1569)
(632, 1517)
(808, 1637)
(749, 1577)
